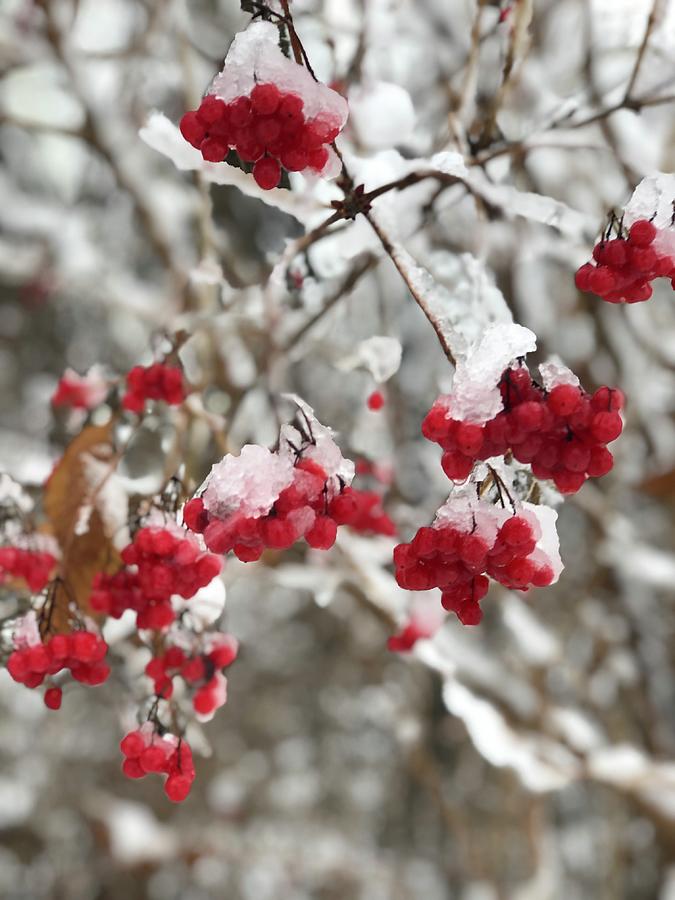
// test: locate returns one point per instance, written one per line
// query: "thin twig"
(651, 21)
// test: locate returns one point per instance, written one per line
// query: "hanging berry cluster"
(39, 653)
(151, 749)
(268, 129)
(469, 543)
(268, 110)
(160, 562)
(627, 264)
(200, 668)
(156, 382)
(562, 432)
(272, 499)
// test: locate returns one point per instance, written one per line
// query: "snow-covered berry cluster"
(146, 751)
(268, 129)
(471, 541)
(35, 567)
(156, 382)
(560, 429)
(269, 110)
(80, 391)
(202, 671)
(33, 660)
(626, 265)
(271, 499)
(161, 561)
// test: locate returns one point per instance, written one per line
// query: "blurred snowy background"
(531, 758)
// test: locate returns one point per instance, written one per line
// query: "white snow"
(381, 114)
(322, 449)
(475, 395)
(554, 373)
(248, 483)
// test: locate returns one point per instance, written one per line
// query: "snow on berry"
(269, 110)
(265, 498)
(558, 428)
(471, 541)
(641, 250)
(202, 671)
(81, 391)
(156, 382)
(146, 751)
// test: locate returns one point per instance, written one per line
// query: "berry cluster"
(146, 751)
(563, 433)
(203, 672)
(267, 128)
(301, 510)
(156, 382)
(460, 562)
(166, 562)
(81, 652)
(32, 566)
(626, 266)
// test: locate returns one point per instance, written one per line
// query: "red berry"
(132, 744)
(240, 111)
(600, 463)
(133, 769)
(192, 129)
(53, 698)
(265, 99)
(267, 173)
(606, 426)
(375, 401)
(582, 277)
(456, 466)
(564, 399)
(642, 233)
(177, 787)
(469, 438)
(322, 534)
(152, 759)
(211, 110)
(214, 150)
